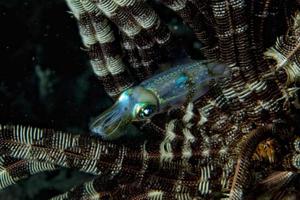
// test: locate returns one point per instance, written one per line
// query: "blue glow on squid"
(170, 89)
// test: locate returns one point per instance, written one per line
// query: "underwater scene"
(150, 99)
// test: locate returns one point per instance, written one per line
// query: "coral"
(239, 136)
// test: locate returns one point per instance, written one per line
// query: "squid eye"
(146, 111)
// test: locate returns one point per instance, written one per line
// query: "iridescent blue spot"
(182, 80)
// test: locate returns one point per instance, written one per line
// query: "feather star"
(216, 147)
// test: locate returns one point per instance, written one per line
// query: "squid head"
(134, 104)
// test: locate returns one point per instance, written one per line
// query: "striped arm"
(133, 57)
(64, 149)
(137, 20)
(199, 18)
(121, 188)
(59, 148)
(104, 50)
(98, 188)
(147, 165)
(246, 150)
(13, 170)
(140, 22)
(87, 191)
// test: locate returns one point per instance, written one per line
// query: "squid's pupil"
(148, 111)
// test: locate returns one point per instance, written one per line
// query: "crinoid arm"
(276, 186)
(12, 169)
(141, 169)
(120, 188)
(58, 148)
(286, 53)
(143, 34)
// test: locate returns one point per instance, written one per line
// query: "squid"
(169, 89)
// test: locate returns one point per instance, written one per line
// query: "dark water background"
(46, 80)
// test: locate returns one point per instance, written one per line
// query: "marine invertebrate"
(201, 150)
(158, 94)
